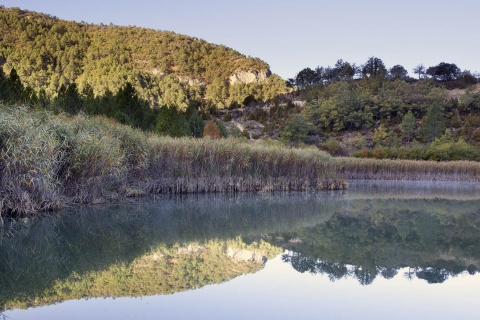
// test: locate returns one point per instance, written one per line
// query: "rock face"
(246, 255)
(249, 76)
(190, 81)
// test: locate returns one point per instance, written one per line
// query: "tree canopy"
(165, 68)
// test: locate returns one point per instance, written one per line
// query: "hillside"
(165, 68)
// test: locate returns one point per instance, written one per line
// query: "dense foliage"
(167, 69)
(393, 115)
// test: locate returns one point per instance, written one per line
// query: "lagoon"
(378, 250)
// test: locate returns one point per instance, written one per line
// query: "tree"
(195, 124)
(420, 70)
(15, 86)
(68, 99)
(296, 129)
(342, 71)
(433, 125)
(217, 93)
(382, 136)
(129, 108)
(444, 72)
(4, 87)
(306, 77)
(398, 72)
(374, 68)
(171, 122)
(408, 126)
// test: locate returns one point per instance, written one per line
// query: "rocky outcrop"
(246, 255)
(190, 81)
(249, 76)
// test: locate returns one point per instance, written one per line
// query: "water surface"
(379, 250)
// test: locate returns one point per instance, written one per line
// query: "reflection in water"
(368, 237)
(172, 244)
(144, 248)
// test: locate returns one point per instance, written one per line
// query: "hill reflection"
(172, 244)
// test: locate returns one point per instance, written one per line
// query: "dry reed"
(355, 168)
(48, 160)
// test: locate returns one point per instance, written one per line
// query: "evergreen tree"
(433, 125)
(89, 101)
(171, 122)
(15, 86)
(195, 124)
(408, 126)
(69, 100)
(4, 87)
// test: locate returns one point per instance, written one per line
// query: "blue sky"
(292, 35)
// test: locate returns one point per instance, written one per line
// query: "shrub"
(211, 131)
(332, 146)
(379, 153)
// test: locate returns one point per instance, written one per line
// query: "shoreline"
(48, 161)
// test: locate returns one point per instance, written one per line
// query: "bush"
(211, 131)
(296, 129)
(332, 146)
(452, 151)
(379, 153)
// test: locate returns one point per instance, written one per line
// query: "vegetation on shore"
(78, 137)
(370, 111)
(354, 168)
(49, 160)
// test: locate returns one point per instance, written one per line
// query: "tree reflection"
(366, 275)
(367, 239)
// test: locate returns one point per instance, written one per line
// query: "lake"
(378, 250)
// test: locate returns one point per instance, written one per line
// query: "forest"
(165, 68)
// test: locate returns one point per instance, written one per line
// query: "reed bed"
(355, 168)
(47, 161)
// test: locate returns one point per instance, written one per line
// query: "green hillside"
(164, 67)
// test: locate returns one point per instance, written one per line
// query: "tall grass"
(47, 161)
(355, 168)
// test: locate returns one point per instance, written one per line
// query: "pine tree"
(408, 126)
(15, 86)
(434, 123)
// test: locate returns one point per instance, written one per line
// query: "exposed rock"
(246, 255)
(156, 71)
(190, 81)
(249, 76)
(190, 249)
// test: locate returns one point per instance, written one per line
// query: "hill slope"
(48, 52)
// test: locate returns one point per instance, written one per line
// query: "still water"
(380, 250)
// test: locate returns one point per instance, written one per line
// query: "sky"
(294, 34)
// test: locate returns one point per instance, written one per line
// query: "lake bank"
(48, 161)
